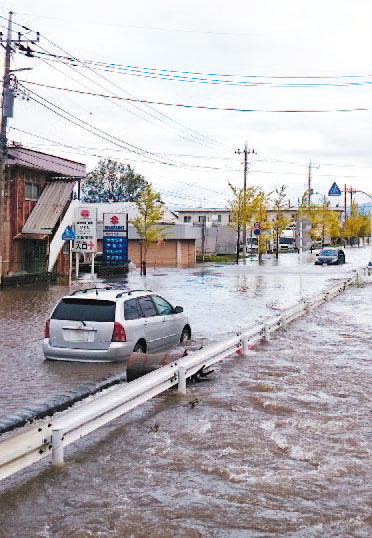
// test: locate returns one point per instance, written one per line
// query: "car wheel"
(139, 348)
(185, 335)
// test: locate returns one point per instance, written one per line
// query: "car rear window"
(85, 310)
(132, 309)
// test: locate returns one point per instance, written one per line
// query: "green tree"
(112, 181)
(150, 213)
(281, 221)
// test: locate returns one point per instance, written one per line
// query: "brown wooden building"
(38, 193)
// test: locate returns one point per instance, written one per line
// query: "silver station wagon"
(107, 325)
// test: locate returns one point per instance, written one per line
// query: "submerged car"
(330, 256)
(107, 325)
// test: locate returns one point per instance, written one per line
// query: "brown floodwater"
(275, 444)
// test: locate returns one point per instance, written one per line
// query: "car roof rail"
(129, 292)
(91, 289)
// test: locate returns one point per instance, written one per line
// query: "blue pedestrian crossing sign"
(68, 234)
(334, 190)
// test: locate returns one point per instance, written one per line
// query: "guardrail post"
(266, 332)
(57, 448)
(245, 345)
(182, 380)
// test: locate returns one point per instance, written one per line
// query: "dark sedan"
(330, 256)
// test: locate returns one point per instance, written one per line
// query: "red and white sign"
(115, 224)
(85, 230)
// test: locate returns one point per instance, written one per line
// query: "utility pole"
(351, 201)
(345, 203)
(3, 141)
(246, 152)
(7, 112)
(309, 189)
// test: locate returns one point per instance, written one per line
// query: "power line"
(199, 137)
(203, 107)
(195, 77)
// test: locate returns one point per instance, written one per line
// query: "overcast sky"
(330, 39)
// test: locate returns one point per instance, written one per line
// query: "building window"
(219, 219)
(230, 217)
(32, 191)
(202, 218)
(187, 218)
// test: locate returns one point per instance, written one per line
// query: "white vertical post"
(77, 261)
(70, 264)
(182, 380)
(371, 232)
(57, 448)
(301, 245)
(245, 345)
(283, 318)
(92, 267)
(267, 332)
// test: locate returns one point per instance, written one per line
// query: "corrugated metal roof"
(51, 164)
(48, 208)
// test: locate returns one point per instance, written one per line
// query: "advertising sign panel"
(115, 238)
(85, 230)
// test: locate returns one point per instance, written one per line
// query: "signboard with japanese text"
(85, 230)
(115, 224)
(115, 238)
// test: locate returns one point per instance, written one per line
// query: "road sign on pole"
(68, 234)
(257, 228)
(303, 239)
(334, 190)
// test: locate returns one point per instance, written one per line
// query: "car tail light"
(46, 328)
(118, 334)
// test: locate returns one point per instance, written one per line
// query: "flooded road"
(218, 299)
(276, 444)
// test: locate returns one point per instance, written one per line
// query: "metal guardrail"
(46, 437)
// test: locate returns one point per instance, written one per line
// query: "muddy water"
(219, 300)
(275, 444)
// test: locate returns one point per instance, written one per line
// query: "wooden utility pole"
(3, 140)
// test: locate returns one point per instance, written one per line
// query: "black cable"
(137, 150)
(202, 107)
(199, 137)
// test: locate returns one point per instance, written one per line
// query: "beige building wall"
(171, 253)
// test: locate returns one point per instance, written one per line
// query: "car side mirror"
(178, 309)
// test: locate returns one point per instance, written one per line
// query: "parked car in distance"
(107, 325)
(330, 256)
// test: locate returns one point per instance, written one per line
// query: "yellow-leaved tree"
(242, 207)
(147, 223)
(281, 221)
(261, 203)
